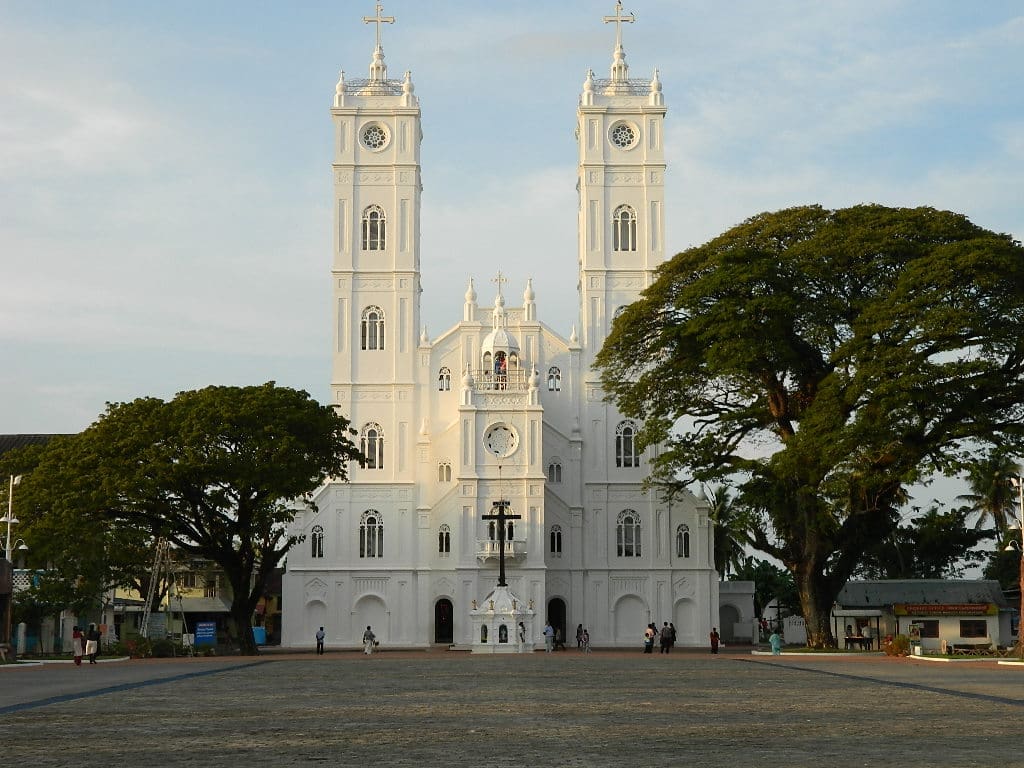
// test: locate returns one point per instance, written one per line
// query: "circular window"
(374, 136)
(623, 135)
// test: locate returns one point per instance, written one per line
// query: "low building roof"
(876, 594)
(13, 442)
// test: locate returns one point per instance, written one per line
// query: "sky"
(165, 185)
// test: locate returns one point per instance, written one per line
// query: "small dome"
(499, 340)
(656, 83)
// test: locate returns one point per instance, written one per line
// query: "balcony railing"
(487, 549)
(512, 381)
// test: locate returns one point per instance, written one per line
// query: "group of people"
(665, 637)
(85, 643)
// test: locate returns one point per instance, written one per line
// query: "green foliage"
(217, 471)
(992, 497)
(935, 545)
(822, 361)
(730, 522)
(770, 583)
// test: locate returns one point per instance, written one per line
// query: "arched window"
(373, 228)
(371, 534)
(444, 472)
(444, 380)
(316, 538)
(444, 540)
(625, 445)
(627, 534)
(554, 379)
(371, 443)
(683, 541)
(556, 540)
(371, 329)
(624, 229)
(555, 471)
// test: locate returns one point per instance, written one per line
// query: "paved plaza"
(565, 709)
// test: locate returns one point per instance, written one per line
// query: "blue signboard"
(206, 633)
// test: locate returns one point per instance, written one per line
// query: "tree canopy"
(823, 360)
(217, 471)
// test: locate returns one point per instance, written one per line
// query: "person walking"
(76, 645)
(320, 635)
(369, 640)
(549, 638)
(715, 639)
(665, 638)
(776, 643)
(586, 641)
(672, 627)
(579, 637)
(649, 635)
(92, 643)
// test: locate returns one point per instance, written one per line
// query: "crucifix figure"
(617, 19)
(378, 20)
(501, 514)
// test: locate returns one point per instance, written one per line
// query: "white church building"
(499, 407)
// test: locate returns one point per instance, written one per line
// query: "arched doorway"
(444, 624)
(728, 618)
(556, 615)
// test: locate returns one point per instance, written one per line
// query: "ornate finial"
(470, 292)
(528, 294)
(574, 337)
(339, 90)
(424, 338)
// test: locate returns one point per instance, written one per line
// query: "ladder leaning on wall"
(162, 565)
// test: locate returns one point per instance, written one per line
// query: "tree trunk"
(816, 605)
(241, 619)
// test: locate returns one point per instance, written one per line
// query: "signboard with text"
(206, 633)
(945, 609)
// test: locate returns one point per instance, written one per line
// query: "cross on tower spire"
(499, 280)
(378, 20)
(618, 20)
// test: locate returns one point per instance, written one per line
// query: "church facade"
(498, 408)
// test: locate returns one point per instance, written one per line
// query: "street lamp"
(1018, 524)
(10, 520)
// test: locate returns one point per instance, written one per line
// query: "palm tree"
(992, 497)
(730, 521)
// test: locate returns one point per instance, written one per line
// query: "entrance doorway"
(556, 615)
(444, 625)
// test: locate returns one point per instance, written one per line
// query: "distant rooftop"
(13, 442)
(877, 594)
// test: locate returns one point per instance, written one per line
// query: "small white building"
(945, 612)
(497, 406)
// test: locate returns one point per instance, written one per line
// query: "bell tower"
(376, 266)
(619, 132)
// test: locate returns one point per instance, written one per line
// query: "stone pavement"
(564, 709)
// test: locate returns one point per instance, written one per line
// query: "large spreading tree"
(216, 471)
(824, 360)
